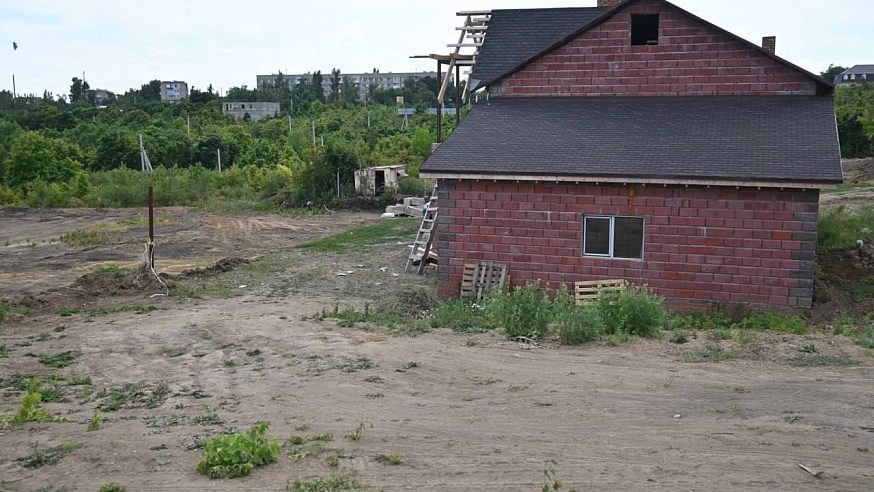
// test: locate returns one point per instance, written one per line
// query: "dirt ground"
(465, 412)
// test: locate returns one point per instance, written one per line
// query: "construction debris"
(412, 207)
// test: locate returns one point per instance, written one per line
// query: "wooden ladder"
(422, 245)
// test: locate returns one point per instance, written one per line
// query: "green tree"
(831, 72)
(117, 149)
(335, 85)
(34, 156)
(349, 91)
(318, 88)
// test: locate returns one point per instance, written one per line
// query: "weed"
(358, 432)
(29, 410)
(302, 427)
(711, 353)
(633, 311)
(374, 379)
(390, 458)
(406, 367)
(134, 395)
(823, 360)
(678, 337)
(809, 348)
(704, 322)
(775, 322)
(516, 388)
(61, 360)
(865, 337)
(333, 461)
(460, 316)
(50, 456)
(840, 227)
(363, 363)
(616, 339)
(862, 450)
(723, 334)
(299, 440)
(238, 454)
(524, 313)
(552, 484)
(43, 336)
(112, 487)
(374, 395)
(208, 417)
(60, 328)
(108, 269)
(253, 353)
(4, 352)
(745, 337)
(85, 381)
(340, 483)
(576, 325)
(52, 394)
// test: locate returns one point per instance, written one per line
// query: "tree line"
(66, 143)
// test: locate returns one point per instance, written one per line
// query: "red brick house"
(637, 141)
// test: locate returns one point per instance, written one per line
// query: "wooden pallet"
(479, 278)
(587, 290)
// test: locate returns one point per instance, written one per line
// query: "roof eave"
(642, 180)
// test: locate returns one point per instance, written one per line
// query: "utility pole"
(219, 152)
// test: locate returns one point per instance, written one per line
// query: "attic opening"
(644, 29)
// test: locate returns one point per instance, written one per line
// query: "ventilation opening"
(644, 29)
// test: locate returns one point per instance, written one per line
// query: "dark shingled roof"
(515, 36)
(743, 138)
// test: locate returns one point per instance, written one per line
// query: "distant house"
(372, 181)
(637, 141)
(855, 75)
(255, 110)
(103, 96)
(174, 91)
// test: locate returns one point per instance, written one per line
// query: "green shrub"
(679, 338)
(524, 312)
(633, 311)
(238, 454)
(576, 325)
(459, 315)
(775, 322)
(841, 227)
(112, 487)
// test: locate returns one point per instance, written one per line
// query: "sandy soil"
(466, 412)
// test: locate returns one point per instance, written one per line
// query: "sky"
(123, 44)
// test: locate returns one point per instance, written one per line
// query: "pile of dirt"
(221, 266)
(858, 169)
(844, 283)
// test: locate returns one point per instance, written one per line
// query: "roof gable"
(515, 36)
(503, 51)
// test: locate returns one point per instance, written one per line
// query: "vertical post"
(151, 229)
(219, 153)
(13, 86)
(314, 133)
(142, 155)
(439, 105)
(189, 123)
(338, 184)
(457, 94)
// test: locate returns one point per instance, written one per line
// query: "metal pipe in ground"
(151, 228)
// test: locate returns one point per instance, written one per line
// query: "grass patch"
(112, 487)
(4, 352)
(59, 361)
(100, 311)
(711, 353)
(134, 395)
(29, 411)
(390, 458)
(841, 227)
(238, 454)
(819, 360)
(385, 231)
(341, 483)
(50, 456)
(92, 236)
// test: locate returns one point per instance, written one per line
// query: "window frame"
(640, 25)
(612, 237)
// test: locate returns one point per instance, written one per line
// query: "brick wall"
(702, 246)
(691, 59)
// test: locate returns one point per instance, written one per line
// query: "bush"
(459, 315)
(775, 322)
(841, 227)
(633, 311)
(238, 454)
(575, 325)
(524, 312)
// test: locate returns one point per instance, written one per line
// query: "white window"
(613, 237)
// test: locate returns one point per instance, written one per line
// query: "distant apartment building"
(103, 96)
(174, 91)
(362, 81)
(255, 110)
(856, 75)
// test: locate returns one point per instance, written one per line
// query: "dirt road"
(459, 412)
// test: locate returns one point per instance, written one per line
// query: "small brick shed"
(635, 140)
